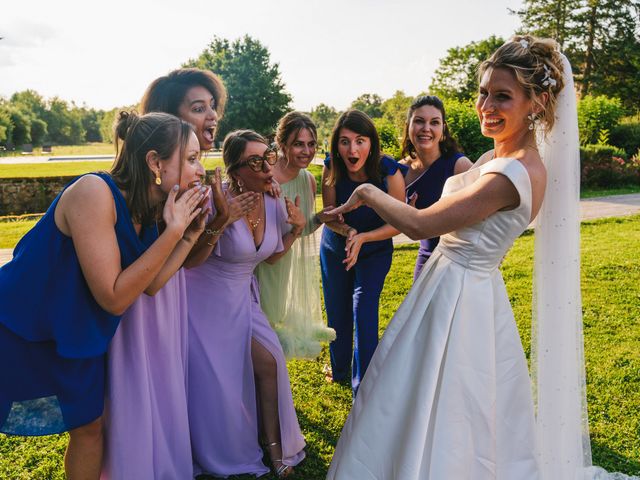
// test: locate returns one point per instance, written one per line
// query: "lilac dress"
(146, 422)
(224, 315)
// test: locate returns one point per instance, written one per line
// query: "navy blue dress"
(429, 187)
(53, 334)
(352, 297)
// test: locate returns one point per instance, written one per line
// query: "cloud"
(26, 34)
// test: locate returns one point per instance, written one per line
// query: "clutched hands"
(180, 212)
(353, 245)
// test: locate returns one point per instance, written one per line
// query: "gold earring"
(158, 179)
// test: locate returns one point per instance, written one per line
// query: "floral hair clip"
(548, 80)
(523, 43)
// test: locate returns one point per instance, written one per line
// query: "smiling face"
(354, 149)
(426, 128)
(182, 171)
(300, 149)
(251, 180)
(502, 105)
(199, 109)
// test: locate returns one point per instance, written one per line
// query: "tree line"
(600, 37)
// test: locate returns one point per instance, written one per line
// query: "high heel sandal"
(282, 471)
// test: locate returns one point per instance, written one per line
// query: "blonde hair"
(536, 64)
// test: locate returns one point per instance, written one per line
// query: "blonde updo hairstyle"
(527, 56)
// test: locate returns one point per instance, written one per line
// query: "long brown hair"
(160, 132)
(360, 123)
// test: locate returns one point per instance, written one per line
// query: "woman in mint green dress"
(289, 289)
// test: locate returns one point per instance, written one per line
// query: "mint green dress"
(290, 288)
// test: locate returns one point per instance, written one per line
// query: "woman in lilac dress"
(147, 427)
(432, 155)
(234, 402)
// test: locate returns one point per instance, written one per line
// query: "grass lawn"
(64, 150)
(611, 305)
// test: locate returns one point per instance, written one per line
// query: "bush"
(389, 136)
(596, 114)
(465, 128)
(607, 166)
(627, 135)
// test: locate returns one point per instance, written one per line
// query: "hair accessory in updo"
(523, 43)
(548, 80)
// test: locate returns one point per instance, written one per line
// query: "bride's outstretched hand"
(355, 200)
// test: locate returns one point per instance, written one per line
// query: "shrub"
(465, 128)
(607, 166)
(389, 137)
(626, 135)
(596, 114)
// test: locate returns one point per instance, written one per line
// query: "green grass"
(601, 192)
(69, 168)
(611, 305)
(64, 150)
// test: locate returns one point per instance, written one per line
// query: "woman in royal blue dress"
(432, 155)
(355, 256)
(74, 274)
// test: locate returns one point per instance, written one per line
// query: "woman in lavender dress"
(147, 426)
(239, 390)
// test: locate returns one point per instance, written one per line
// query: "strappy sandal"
(282, 471)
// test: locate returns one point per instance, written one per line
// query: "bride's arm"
(470, 205)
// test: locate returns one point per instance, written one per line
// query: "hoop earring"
(158, 179)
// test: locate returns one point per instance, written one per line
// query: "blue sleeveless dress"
(429, 187)
(53, 334)
(352, 297)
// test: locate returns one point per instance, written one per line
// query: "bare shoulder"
(89, 197)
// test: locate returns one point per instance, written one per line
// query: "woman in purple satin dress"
(147, 426)
(239, 392)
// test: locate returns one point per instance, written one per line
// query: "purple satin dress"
(146, 421)
(224, 315)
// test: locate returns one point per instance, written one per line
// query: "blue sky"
(104, 54)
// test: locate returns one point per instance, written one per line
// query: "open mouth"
(353, 160)
(209, 133)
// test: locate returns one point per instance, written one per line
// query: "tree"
(371, 104)
(324, 117)
(395, 109)
(32, 107)
(64, 124)
(600, 37)
(90, 119)
(389, 137)
(544, 18)
(6, 127)
(257, 96)
(456, 77)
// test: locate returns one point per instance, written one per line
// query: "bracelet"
(213, 231)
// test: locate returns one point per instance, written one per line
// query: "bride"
(448, 393)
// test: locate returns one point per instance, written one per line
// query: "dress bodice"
(235, 256)
(483, 245)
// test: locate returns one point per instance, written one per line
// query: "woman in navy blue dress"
(432, 155)
(73, 275)
(355, 256)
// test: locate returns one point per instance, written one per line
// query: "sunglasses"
(256, 162)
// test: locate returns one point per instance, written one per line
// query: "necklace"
(253, 224)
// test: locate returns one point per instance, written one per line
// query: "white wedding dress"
(447, 395)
